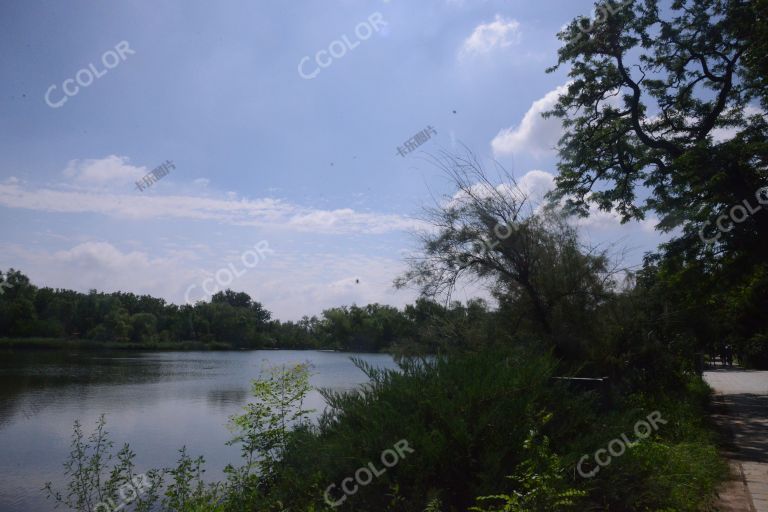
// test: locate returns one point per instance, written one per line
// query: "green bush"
(676, 468)
(541, 483)
(467, 419)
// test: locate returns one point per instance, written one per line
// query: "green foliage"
(185, 490)
(473, 418)
(230, 320)
(549, 285)
(92, 481)
(683, 475)
(434, 505)
(466, 418)
(677, 468)
(540, 483)
(651, 92)
(263, 429)
(262, 433)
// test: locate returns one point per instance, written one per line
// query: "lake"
(156, 401)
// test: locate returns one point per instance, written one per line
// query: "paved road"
(742, 402)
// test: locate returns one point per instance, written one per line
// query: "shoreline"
(58, 344)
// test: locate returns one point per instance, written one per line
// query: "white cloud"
(500, 33)
(535, 184)
(102, 266)
(348, 220)
(299, 285)
(534, 135)
(228, 208)
(112, 170)
(531, 188)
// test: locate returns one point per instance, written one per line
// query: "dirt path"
(741, 406)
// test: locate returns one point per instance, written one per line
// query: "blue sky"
(261, 154)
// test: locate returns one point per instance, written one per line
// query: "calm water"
(156, 401)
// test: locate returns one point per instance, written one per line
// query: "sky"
(285, 125)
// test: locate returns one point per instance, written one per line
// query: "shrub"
(467, 418)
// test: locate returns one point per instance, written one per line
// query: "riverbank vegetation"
(486, 431)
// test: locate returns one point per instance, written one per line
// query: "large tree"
(661, 116)
(530, 257)
(653, 91)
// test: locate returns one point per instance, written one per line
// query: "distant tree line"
(230, 318)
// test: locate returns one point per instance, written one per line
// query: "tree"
(640, 131)
(533, 259)
(144, 327)
(243, 300)
(751, 25)
(660, 116)
(234, 299)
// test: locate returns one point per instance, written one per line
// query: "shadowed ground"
(741, 408)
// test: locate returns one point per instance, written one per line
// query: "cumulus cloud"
(499, 33)
(103, 266)
(532, 187)
(102, 172)
(534, 135)
(535, 184)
